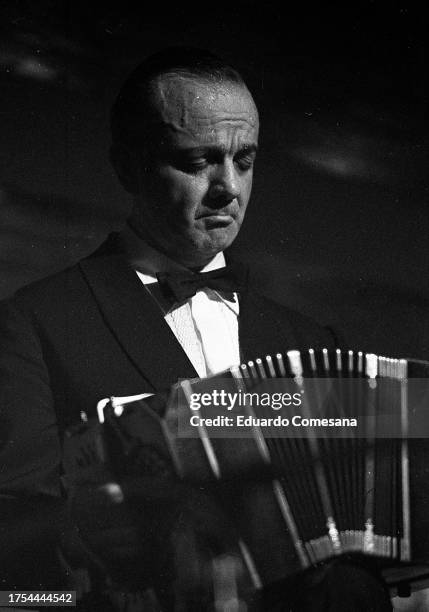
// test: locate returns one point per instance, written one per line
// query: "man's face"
(194, 182)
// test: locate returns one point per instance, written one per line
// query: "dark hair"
(131, 109)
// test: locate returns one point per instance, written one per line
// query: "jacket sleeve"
(29, 442)
(31, 508)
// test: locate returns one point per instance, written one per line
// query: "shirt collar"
(148, 261)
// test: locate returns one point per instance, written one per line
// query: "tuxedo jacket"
(66, 342)
(91, 332)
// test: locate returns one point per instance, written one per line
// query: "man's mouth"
(217, 219)
(219, 213)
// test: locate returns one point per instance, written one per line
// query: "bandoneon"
(334, 461)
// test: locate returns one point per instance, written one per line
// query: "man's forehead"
(187, 101)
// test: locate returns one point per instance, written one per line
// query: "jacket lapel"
(260, 330)
(136, 320)
(267, 328)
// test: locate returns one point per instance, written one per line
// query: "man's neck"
(148, 259)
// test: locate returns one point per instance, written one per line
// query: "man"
(185, 135)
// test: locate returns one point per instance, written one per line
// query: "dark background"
(338, 223)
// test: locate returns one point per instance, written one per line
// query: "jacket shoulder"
(63, 289)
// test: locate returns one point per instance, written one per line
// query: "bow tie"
(184, 285)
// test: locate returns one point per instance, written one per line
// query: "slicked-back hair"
(132, 110)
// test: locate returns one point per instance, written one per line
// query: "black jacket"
(87, 333)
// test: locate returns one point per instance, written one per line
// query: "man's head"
(185, 132)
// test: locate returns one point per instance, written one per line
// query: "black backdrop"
(338, 223)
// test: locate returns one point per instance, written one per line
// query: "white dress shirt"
(206, 325)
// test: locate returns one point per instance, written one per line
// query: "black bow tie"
(182, 286)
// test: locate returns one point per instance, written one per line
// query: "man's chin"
(209, 246)
(217, 241)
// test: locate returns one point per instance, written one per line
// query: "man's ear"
(127, 167)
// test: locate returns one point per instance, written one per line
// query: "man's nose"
(224, 182)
